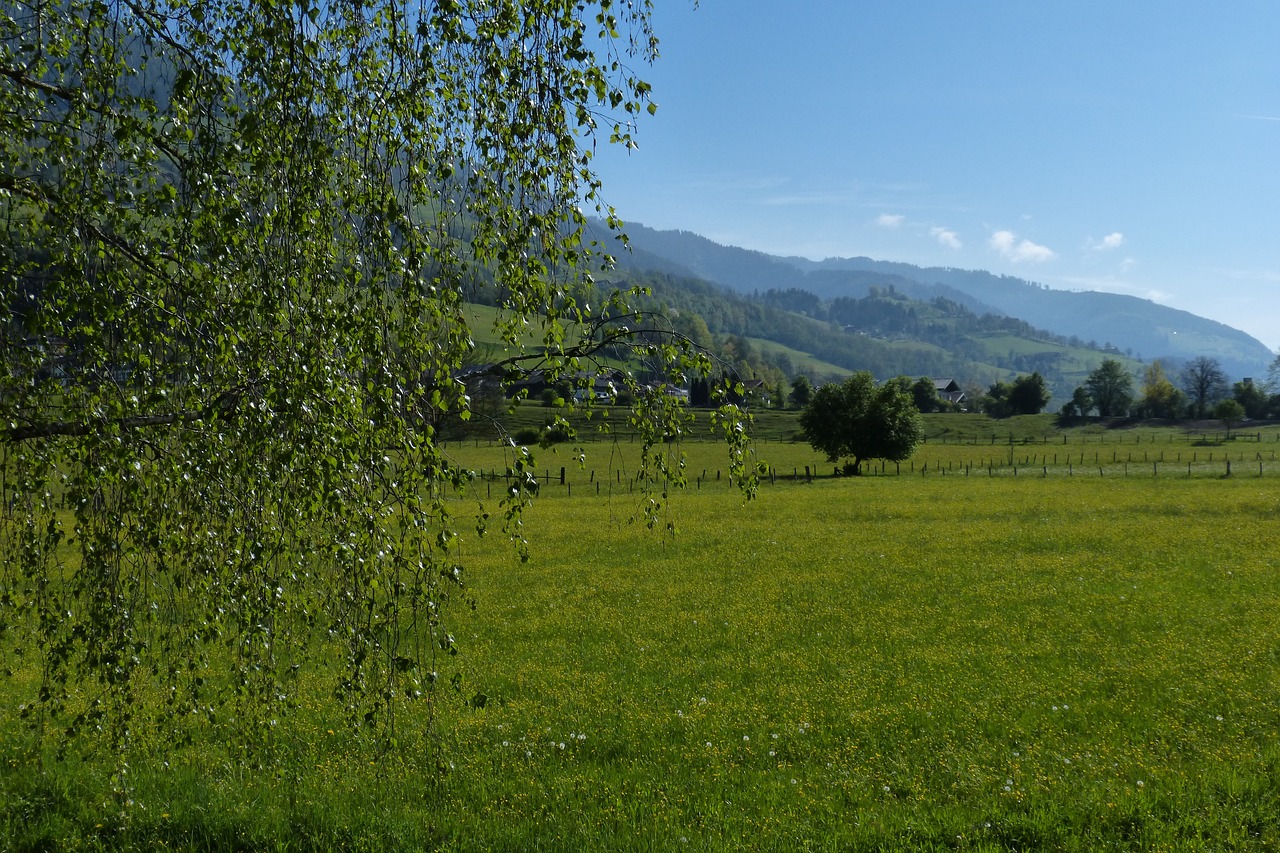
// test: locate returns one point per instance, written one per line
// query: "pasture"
(935, 660)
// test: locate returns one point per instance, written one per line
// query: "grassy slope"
(802, 363)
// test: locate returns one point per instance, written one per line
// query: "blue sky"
(1132, 147)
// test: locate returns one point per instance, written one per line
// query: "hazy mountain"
(1129, 324)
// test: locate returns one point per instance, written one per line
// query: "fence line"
(553, 482)
(1117, 437)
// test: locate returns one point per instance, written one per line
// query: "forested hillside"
(1090, 320)
(885, 332)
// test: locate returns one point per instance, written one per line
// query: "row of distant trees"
(1202, 391)
(860, 419)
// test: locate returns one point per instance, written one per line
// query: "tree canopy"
(1160, 399)
(1026, 395)
(1205, 383)
(860, 420)
(801, 391)
(1110, 388)
(238, 241)
(924, 393)
(1230, 412)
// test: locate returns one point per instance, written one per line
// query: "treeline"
(1201, 389)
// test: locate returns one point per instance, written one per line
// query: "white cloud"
(1114, 240)
(946, 237)
(890, 220)
(1013, 249)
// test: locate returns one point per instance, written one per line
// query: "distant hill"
(1116, 322)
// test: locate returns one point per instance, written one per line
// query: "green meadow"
(955, 657)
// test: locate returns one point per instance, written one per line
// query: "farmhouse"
(756, 391)
(604, 386)
(949, 390)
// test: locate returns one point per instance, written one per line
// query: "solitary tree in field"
(1110, 387)
(859, 420)
(238, 240)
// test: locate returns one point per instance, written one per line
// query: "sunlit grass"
(891, 662)
(877, 659)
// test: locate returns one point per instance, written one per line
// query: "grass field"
(955, 444)
(911, 662)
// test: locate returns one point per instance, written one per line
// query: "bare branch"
(221, 406)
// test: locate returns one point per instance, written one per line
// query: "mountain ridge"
(1122, 322)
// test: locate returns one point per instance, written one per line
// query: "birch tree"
(239, 241)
